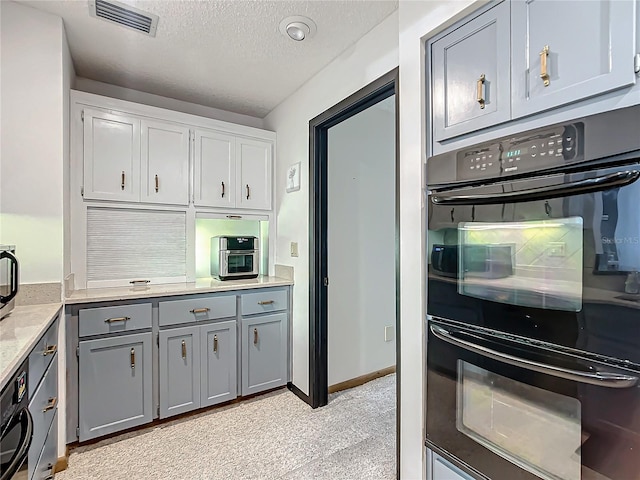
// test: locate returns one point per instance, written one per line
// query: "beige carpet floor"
(274, 436)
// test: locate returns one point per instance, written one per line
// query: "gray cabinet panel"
(219, 363)
(41, 356)
(265, 301)
(197, 309)
(591, 48)
(43, 409)
(122, 318)
(48, 455)
(443, 470)
(114, 384)
(264, 353)
(469, 63)
(179, 370)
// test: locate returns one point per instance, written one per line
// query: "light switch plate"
(294, 249)
(388, 333)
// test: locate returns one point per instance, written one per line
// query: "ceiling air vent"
(124, 15)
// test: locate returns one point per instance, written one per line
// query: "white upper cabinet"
(564, 51)
(215, 169)
(165, 163)
(254, 164)
(232, 171)
(111, 156)
(470, 69)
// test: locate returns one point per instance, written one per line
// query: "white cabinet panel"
(111, 156)
(165, 163)
(215, 169)
(590, 51)
(254, 160)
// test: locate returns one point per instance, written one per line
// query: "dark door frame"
(373, 93)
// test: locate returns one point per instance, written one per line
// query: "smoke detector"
(125, 15)
(298, 28)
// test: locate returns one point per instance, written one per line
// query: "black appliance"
(535, 374)
(8, 278)
(17, 427)
(489, 261)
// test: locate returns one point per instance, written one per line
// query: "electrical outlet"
(388, 333)
(294, 249)
(556, 249)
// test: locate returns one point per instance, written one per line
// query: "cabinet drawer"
(41, 355)
(43, 407)
(123, 318)
(197, 309)
(48, 455)
(264, 302)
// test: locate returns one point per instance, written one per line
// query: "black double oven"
(533, 302)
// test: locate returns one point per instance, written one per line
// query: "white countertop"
(20, 331)
(201, 285)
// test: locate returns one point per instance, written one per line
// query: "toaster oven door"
(240, 262)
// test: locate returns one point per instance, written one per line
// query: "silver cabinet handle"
(601, 379)
(50, 350)
(200, 310)
(215, 344)
(222, 189)
(132, 357)
(266, 302)
(248, 192)
(51, 405)
(157, 184)
(255, 336)
(122, 181)
(184, 349)
(141, 282)
(117, 319)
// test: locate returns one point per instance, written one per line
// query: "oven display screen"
(516, 152)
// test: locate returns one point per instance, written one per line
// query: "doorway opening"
(322, 190)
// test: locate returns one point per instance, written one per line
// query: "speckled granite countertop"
(201, 285)
(19, 332)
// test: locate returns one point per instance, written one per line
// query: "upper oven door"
(518, 410)
(554, 258)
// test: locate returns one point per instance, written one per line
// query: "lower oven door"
(510, 408)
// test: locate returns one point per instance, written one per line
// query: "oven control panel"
(537, 150)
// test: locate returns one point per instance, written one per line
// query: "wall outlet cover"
(294, 249)
(388, 333)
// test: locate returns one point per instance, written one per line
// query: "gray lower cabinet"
(470, 75)
(43, 470)
(563, 51)
(264, 352)
(219, 363)
(179, 370)
(441, 469)
(115, 384)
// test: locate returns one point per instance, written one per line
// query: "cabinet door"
(165, 163)
(111, 156)
(219, 363)
(590, 51)
(254, 173)
(470, 75)
(215, 169)
(114, 384)
(264, 353)
(179, 370)
(443, 470)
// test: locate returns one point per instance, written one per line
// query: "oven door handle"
(618, 179)
(601, 379)
(26, 435)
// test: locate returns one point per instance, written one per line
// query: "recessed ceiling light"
(298, 28)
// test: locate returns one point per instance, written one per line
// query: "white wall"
(361, 243)
(114, 91)
(416, 20)
(34, 69)
(371, 57)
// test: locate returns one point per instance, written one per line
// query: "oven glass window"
(534, 428)
(241, 263)
(534, 263)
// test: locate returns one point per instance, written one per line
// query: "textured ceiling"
(223, 54)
